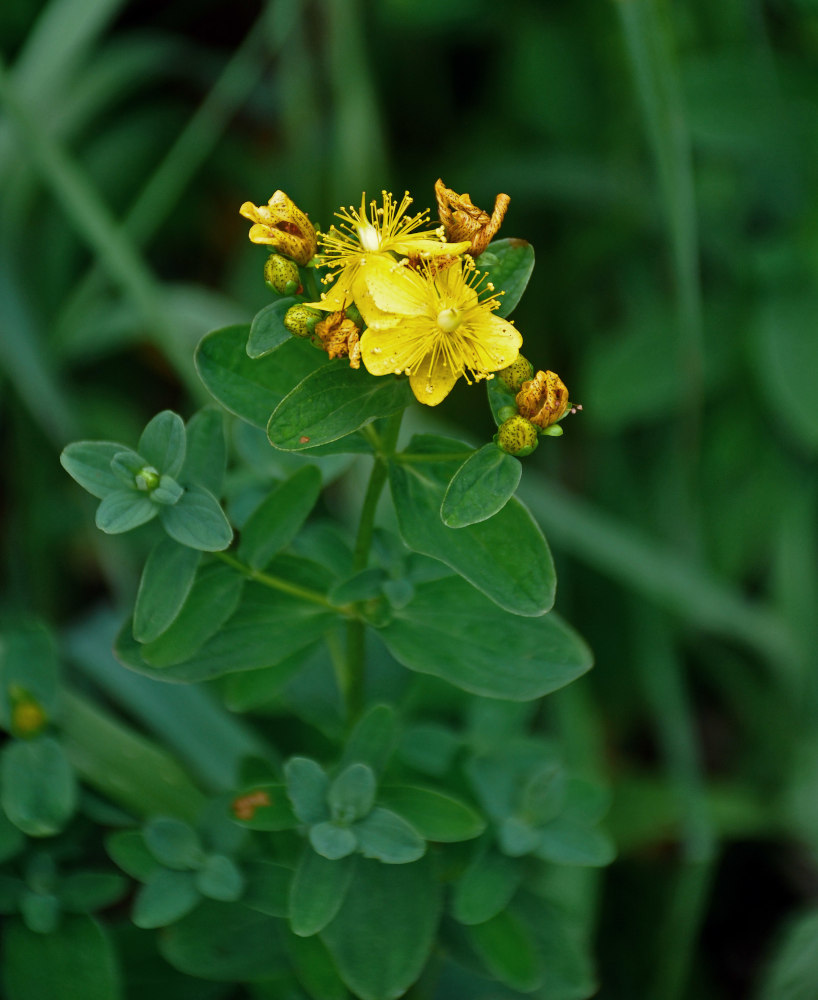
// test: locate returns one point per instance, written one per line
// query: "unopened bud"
(281, 275)
(300, 320)
(147, 479)
(517, 436)
(518, 372)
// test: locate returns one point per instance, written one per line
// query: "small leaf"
(197, 520)
(219, 878)
(165, 898)
(212, 600)
(279, 517)
(166, 581)
(352, 794)
(387, 837)
(127, 849)
(435, 815)
(505, 556)
(568, 843)
(163, 443)
(89, 463)
(39, 792)
(206, 452)
(267, 331)
(429, 747)
(167, 493)
(486, 888)
(307, 786)
(482, 485)
(173, 843)
(331, 403)
(505, 945)
(40, 911)
(316, 971)
(267, 888)
(332, 841)
(516, 837)
(123, 510)
(84, 892)
(509, 264)
(373, 739)
(251, 388)
(317, 891)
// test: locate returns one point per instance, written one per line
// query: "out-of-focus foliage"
(662, 159)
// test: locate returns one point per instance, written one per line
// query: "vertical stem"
(352, 687)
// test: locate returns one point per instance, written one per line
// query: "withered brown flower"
(340, 337)
(463, 220)
(543, 399)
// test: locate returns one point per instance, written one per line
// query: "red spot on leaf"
(303, 440)
(244, 807)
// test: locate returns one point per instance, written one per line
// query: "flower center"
(369, 237)
(449, 320)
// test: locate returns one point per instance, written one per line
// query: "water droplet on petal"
(429, 388)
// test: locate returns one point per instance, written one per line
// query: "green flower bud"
(553, 431)
(281, 275)
(353, 313)
(518, 372)
(506, 413)
(147, 479)
(517, 436)
(300, 320)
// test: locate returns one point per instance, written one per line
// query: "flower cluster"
(400, 296)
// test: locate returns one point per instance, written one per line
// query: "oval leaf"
(197, 520)
(123, 510)
(482, 485)
(387, 837)
(163, 443)
(451, 631)
(279, 517)
(267, 331)
(435, 815)
(165, 898)
(166, 581)
(317, 891)
(89, 463)
(331, 403)
(39, 792)
(509, 264)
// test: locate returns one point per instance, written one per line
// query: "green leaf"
(165, 898)
(267, 628)
(792, 970)
(505, 556)
(163, 443)
(361, 586)
(40, 911)
(317, 891)
(486, 888)
(267, 888)
(89, 463)
(206, 452)
(252, 388)
(263, 807)
(84, 892)
(373, 739)
(173, 843)
(28, 663)
(166, 581)
(452, 631)
(267, 331)
(331, 403)
(126, 465)
(499, 396)
(482, 485)
(75, 962)
(332, 841)
(429, 747)
(387, 837)
(167, 493)
(316, 971)
(219, 878)
(398, 907)
(197, 520)
(352, 793)
(307, 787)
(505, 946)
(279, 517)
(212, 600)
(39, 792)
(226, 942)
(568, 843)
(517, 837)
(123, 510)
(509, 264)
(435, 815)
(127, 849)
(12, 840)
(544, 795)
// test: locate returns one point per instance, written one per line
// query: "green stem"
(276, 583)
(452, 456)
(353, 681)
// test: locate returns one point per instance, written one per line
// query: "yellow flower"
(433, 328)
(376, 234)
(281, 224)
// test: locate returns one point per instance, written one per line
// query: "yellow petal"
(495, 343)
(391, 288)
(385, 352)
(432, 385)
(427, 248)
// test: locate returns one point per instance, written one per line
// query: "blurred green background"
(663, 161)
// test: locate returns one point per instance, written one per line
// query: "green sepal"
(89, 464)
(197, 520)
(509, 264)
(482, 485)
(163, 443)
(331, 403)
(123, 510)
(267, 331)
